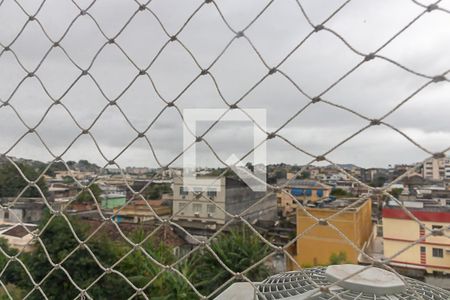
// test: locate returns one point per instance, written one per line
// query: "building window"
(6, 215)
(197, 207)
(437, 227)
(183, 191)
(438, 252)
(211, 208)
(211, 193)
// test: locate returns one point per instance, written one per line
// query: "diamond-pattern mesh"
(112, 39)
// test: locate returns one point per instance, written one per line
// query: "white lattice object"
(303, 281)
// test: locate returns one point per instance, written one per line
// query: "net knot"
(369, 56)
(320, 158)
(271, 135)
(316, 99)
(375, 122)
(432, 7)
(318, 28)
(439, 78)
(239, 34)
(272, 71)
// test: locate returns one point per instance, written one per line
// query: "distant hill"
(82, 165)
(346, 166)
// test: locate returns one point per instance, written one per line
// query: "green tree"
(378, 181)
(396, 192)
(338, 192)
(12, 183)
(68, 179)
(59, 242)
(238, 249)
(155, 191)
(86, 197)
(13, 290)
(140, 269)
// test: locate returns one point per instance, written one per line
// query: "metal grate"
(310, 278)
(293, 284)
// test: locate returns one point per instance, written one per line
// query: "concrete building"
(19, 236)
(137, 170)
(231, 195)
(25, 210)
(304, 191)
(436, 169)
(79, 175)
(138, 211)
(112, 201)
(431, 255)
(319, 244)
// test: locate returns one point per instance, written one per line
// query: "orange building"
(317, 246)
(400, 231)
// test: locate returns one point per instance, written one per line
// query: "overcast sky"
(373, 89)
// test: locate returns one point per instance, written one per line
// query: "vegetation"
(239, 249)
(338, 258)
(12, 183)
(304, 175)
(379, 181)
(396, 192)
(86, 196)
(340, 193)
(156, 190)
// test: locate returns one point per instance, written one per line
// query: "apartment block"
(400, 231)
(436, 169)
(230, 195)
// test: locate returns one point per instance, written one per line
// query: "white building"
(229, 194)
(436, 169)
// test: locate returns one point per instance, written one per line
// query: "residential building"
(401, 232)
(436, 169)
(79, 175)
(112, 201)
(316, 246)
(138, 211)
(304, 191)
(22, 210)
(137, 170)
(19, 236)
(229, 194)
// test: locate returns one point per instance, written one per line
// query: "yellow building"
(317, 246)
(399, 232)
